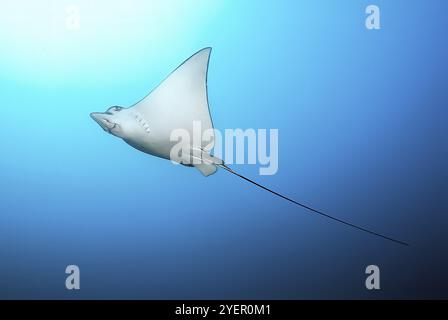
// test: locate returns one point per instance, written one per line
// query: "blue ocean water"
(361, 117)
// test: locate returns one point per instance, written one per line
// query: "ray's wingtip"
(206, 49)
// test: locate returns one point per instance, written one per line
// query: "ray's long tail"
(314, 210)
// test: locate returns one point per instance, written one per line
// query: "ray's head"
(116, 121)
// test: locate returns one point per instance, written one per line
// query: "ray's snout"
(103, 120)
(94, 115)
(98, 117)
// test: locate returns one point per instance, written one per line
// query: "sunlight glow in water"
(59, 39)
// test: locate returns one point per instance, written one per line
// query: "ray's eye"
(115, 108)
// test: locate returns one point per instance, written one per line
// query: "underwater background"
(361, 116)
